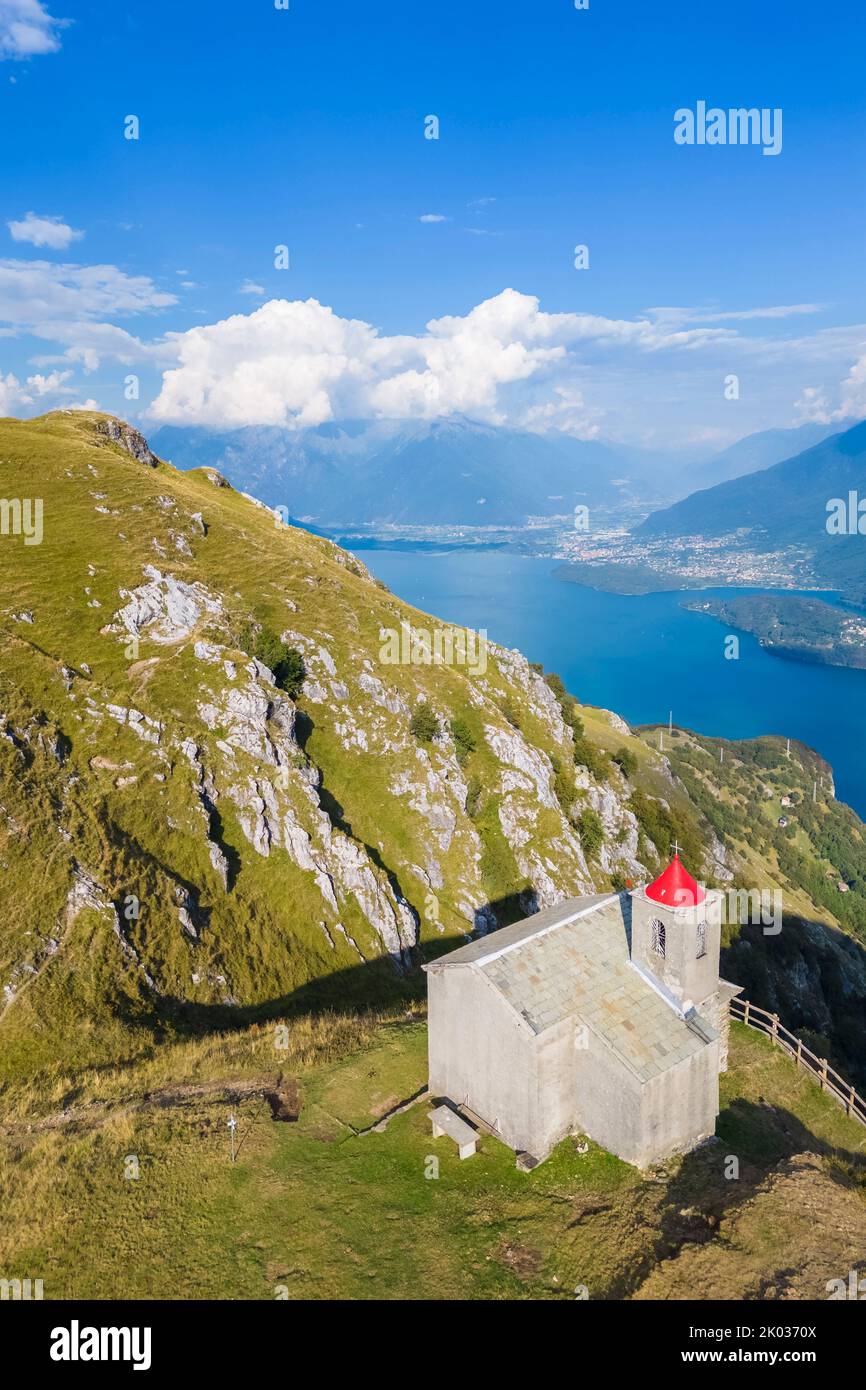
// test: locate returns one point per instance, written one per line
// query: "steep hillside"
(231, 829)
(758, 451)
(222, 798)
(180, 837)
(802, 952)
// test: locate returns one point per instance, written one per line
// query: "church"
(602, 1016)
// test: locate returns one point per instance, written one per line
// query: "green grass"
(85, 1040)
(262, 941)
(320, 1211)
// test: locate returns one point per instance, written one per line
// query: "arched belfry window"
(658, 930)
(702, 940)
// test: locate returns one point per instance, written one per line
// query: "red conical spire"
(676, 887)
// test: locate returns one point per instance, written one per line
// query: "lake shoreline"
(644, 656)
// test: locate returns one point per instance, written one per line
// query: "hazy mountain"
(785, 505)
(758, 451)
(416, 472)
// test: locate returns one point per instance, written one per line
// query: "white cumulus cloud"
(17, 397)
(297, 363)
(44, 231)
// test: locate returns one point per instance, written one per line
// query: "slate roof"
(573, 960)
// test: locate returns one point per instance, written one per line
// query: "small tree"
(424, 724)
(473, 796)
(511, 712)
(591, 831)
(563, 785)
(286, 663)
(626, 761)
(464, 740)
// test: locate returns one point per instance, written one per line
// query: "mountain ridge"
(786, 505)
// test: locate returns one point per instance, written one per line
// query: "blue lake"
(642, 656)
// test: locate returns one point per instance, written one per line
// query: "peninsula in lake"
(805, 628)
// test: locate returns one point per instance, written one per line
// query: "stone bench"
(445, 1121)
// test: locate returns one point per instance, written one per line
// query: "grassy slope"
(324, 1211)
(85, 1013)
(262, 941)
(261, 944)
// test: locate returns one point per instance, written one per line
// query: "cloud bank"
(297, 363)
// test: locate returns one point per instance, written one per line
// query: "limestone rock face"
(620, 848)
(129, 439)
(513, 750)
(307, 834)
(164, 609)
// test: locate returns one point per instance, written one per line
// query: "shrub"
(473, 797)
(626, 761)
(511, 712)
(563, 785)
(424, 724)
(591, 831)
(593, 759)
(567, 703)
(286, 663)
(464, 740)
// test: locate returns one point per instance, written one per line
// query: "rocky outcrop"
(128, 439)
(164, 609)
(619, 852)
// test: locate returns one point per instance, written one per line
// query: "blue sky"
(305, 127)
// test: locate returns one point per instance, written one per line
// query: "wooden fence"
(829, 1080)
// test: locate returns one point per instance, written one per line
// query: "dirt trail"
(281, 1093)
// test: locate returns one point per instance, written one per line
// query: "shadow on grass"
(700, 1195)
(358, 989)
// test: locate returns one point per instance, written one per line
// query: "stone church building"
(602, 1016)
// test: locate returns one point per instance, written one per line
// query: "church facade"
(602, 1016)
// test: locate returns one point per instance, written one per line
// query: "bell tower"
(676, 935)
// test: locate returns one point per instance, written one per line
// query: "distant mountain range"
(758, 451)
(419, 472)
(785, 505)
(460, 472)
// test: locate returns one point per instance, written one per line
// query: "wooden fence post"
(819, 1067)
